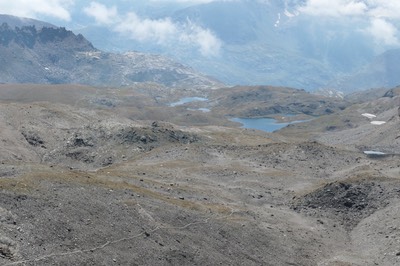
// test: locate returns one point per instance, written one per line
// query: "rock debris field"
(83, 183)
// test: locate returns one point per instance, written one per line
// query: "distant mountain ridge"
(54, 55)
(13, 21)
(265, 42)
(382, 72)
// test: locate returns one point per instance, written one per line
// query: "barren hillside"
(88, 177)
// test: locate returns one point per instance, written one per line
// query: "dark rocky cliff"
(30, 36)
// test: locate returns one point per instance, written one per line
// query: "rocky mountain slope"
(268, 101)
(142, 175)
(55, 56)
(89, 177)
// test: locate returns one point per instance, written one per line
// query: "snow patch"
(378, 123)
(370, 116)
(374, 153)
(188, 100)
(204, 110)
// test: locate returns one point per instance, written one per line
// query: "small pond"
(188, 100)
(264, 124)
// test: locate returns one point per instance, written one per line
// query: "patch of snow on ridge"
(369, 115)
(188, 100)
(374, 153)
(378, 123)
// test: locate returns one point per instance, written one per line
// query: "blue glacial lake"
(188, 100)
(265, 124)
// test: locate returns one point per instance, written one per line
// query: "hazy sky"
(389, 9)
(380, 15)
(381, 18)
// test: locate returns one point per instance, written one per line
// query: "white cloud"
(384, 9)
(162, 31)
(101, 13)
(184, 1)
(380, 15)
(383, 32)
(207, 42)
(146, 29)
(334, 8)
(366, 8)
(34, 8)
(192, 1)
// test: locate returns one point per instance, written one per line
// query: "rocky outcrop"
(29, 37)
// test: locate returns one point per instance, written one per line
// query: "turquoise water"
(188, 100)
(265, 124)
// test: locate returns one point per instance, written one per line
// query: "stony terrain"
(261, 101)
(87, 178)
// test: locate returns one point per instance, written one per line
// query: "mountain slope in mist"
(56, 55)
(250, 42)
